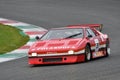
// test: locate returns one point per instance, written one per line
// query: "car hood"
(58, 45)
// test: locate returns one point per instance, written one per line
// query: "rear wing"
(97, 26)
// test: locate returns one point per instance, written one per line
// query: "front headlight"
(70, 52)
(34, 54)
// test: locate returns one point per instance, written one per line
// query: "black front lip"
(55, 55)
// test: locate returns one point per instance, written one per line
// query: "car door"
(94, 40)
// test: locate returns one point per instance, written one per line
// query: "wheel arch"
(86, 55)
(88, 45)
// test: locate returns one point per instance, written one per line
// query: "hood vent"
(40, 44)
(72, 42)
(59, 44)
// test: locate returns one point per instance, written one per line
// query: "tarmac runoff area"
(28, 29)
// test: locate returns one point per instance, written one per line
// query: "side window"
(90, 32)
(87, 33)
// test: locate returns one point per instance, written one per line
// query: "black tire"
(88, 55)
(107, 49)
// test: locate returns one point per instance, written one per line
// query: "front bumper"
(56, 59)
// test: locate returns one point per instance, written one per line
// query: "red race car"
(74, 43)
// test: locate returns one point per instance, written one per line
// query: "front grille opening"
(65, 59)
(40, 60)
(52, 59)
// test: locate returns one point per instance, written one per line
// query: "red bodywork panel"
(55, 51)
(58, 46)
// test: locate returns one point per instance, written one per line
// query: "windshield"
(63, 34)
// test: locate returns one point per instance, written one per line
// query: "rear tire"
(107, 49)
(88, 55)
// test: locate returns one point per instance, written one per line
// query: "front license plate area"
(52, 59)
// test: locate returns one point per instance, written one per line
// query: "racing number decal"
(96, 45)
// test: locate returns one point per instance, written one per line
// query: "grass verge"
(11, 38)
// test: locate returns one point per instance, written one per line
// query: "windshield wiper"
(73, 35)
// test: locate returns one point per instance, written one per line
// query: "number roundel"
(96, 45)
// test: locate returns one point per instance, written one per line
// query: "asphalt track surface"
(57, 13)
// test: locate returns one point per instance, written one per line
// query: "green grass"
(11, 38)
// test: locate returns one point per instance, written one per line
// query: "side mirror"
(89, 36)
(37, 37)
